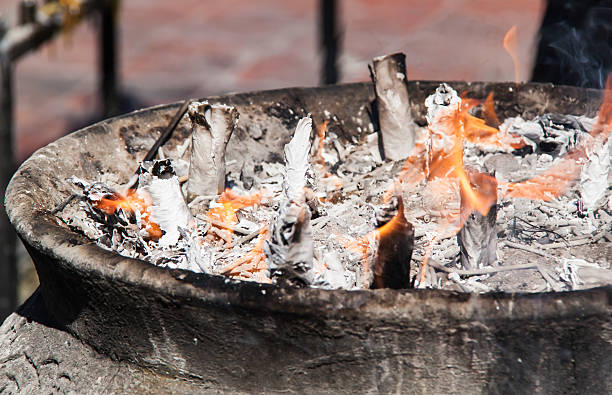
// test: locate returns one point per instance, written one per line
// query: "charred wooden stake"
(289, 250)
(394, 252)
(397, 126)
(478, 237)
(212, 127)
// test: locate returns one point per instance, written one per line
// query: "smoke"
(575, 44)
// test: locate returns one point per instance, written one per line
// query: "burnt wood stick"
(212, 127)
(394, 252)
(396, 124)
(330, 41)
(27, 12)
(167, 133)
(108, 59)
(161, 140)
(478, 236)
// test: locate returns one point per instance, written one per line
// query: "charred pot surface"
(394, 248)
(395, 120)
(212, 127)
(478, 237)
(289, 250)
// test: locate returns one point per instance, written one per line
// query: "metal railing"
(36, 25)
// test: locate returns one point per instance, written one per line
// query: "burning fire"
(135, 202)
(228, 204)
(439, 161)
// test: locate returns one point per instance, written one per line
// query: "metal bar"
(8, 264)
(20, 40)
(108, 58)
(27, 12)
(330, 39)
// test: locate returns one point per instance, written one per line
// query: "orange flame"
(364, 245)
(133, 201)
(511, 46)
(488, 111)
(326, 177)
(447, 159)
(321, 131)
(483, 131)
(560, 177)
(229, 203)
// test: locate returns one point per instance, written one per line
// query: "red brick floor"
(192, 48)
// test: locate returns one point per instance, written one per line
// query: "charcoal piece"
(395, 120)
(394, 251)
(560, 121)
(163, 169)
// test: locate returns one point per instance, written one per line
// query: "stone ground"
(195, 48)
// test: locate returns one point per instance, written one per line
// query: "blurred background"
(171, 50)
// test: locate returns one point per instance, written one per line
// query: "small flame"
(484, 132)
(133, 201)
(511, 46)
(321, 131)
(228, 204)
(333, 182)
(364, 245)
(440, 162)
(488, 111)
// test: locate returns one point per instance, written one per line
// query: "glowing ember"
(253, 264)
(228, 204)
(136, 203)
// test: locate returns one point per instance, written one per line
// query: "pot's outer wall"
(254, 337)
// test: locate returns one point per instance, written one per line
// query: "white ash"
(594, 177)
(349, 213)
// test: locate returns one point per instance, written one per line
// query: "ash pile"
(465, 203)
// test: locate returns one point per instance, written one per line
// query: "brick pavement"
(175, 49)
